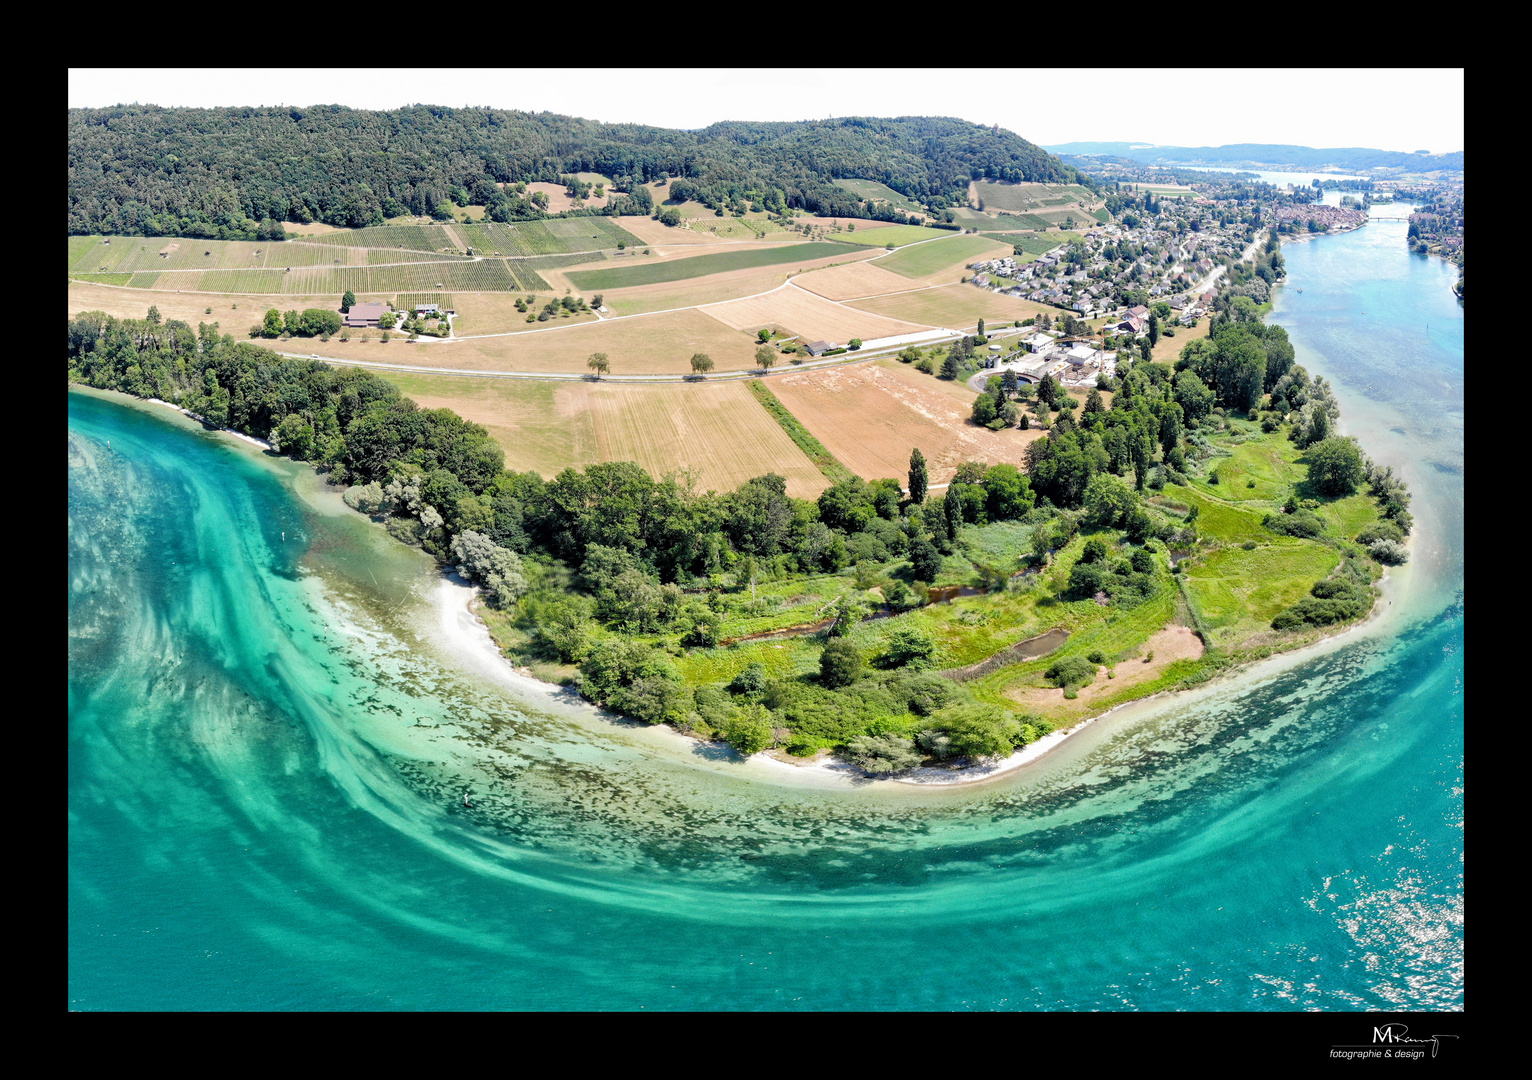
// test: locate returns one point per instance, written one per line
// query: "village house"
(366, 315)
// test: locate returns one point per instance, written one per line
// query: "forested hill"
(145, 169)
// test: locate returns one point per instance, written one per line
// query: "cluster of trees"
(312, 322)
(1331, 601)
(1241, 360)
(228, 172)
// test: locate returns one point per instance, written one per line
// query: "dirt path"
(1167, 646)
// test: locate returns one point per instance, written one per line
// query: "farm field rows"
(703, 265)
(153, 254)
(870, 418)
(939, 258)
(715, 288)
(796, 311)
(467, 276)
(956, 306)
(1024, 197)
(556, 237)
(235, 313)
(719, 429)
(410, 237)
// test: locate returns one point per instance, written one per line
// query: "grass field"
(235, 314)
(1238, 592)
(154, 254)
(464, 276)
(948, 255)
(871, 189)
(713, 289)
(1033, 244)
(870, 418)
(955, 306)
(873, 234)
(495, 313)
(718, 429)
(652, 234)
(796, 311)
(703, 265)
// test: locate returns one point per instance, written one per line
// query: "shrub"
(879, 754)
(1071, 671)
(752, 680)
(1380, 530)
(840, 664)
(1303, 523)
(1389, 552)
(1096, 656)
(911, 649)
(748, 730)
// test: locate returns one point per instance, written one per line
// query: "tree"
(154, 315)
(918, 482)
(854, 344)
(950, 364)
(386, 321)
(272, 326)
(347, 301)
(925, 561)
(1048, 391)
(1335, 466)
(763, 335)
(910, 648)
(701, 363)
(765, 356)
(981, 328)
(599, 363)
(840, 664)
(748, 730)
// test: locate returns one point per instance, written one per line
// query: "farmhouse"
(366, 314)
(428, 309)
(819, 348)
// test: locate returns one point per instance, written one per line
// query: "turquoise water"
(268, 751)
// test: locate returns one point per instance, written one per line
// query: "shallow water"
(268, 753)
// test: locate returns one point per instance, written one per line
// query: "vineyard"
(554, 237)
(702, 265)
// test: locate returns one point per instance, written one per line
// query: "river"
(269, 739)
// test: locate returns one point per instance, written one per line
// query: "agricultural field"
(852, 281)
(130, 253)
(554, 237)
(713, 289)
(703, 265)
(495, 313)
(939, 258)
(876, 235)
(718, 429)
(651, 233)
(466, 276)
(955, 306)
(729, 227)
(1033, 244)
(559, 200)
(1021, 198)
(796, 311)
(313, 228)
(1168, 349)
(656, 344)
(235, 314)
(870, 418)
(871, 189)
(408, 237)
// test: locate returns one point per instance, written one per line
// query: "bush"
(752, 680)
(879, 754)
(1096, 656)
(748, 730)
(1304, 523)
(1071, 671)
(1333, 600)
(1380, 530)
(911, 649)
(840, 664)
(1389, 552)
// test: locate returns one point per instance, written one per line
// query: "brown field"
(712, 289)
(870, 418)
(719, 429)
(1168, 645)
(1168, 349)
(646, 344)
(956, 306)
(797, 311)
(495, 313)
(235, 312)
(652, 232)
(314, 228)
(851, 282)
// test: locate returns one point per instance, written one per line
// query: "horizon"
(1303, 115)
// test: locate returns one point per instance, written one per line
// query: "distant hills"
(143, 169)
(1273, 154)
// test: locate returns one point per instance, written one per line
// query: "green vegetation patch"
(103, 279)
(923, 259)
(1237, 591)
(871, 189)
(700, 266)
(409, 237)
(898, 235)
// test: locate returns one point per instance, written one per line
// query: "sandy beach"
(251, 439)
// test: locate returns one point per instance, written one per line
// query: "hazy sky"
(1388, 109)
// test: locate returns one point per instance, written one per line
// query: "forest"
(239, 173)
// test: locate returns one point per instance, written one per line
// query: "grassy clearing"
(702, 265)
(884, 235)
(823, 460)
(871, 189)
(1024, 197)
(926, 259)
(1238, 592)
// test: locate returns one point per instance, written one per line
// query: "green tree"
(701, 363)
(950, 366)
(840, 664)
(980, 328)
(925, 560)
(763, 335)
(918, 481)
(599, 363)
(765, 356)
(748, 729)
(1336, 466)
(347, 301)
(272, 326)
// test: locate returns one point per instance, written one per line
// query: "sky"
(1416, 109)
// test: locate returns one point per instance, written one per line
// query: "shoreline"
(251, 439)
